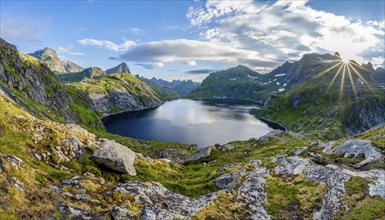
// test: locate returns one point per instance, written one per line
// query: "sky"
(190, 39)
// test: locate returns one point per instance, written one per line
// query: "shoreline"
(271, 123)
(110, 116)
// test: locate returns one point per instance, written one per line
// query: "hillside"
(49, 57)
(91, 72)
(36, 88)
(327, 99)
(235, 83)
(118, 92)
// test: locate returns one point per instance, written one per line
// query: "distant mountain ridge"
(49, 57)
(181, 87)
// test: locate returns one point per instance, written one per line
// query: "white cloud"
(21, 29)
(108, 44)
(68, 49)
(188, 51)
(134, 31)
(284, 28)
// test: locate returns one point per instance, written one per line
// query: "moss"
(292, 197)
(224, 207)
(370, 208)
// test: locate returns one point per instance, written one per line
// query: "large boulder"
(116, 157)
(359, 147)
(161, 203)
(202, 153)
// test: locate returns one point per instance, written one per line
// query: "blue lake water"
(191, 122)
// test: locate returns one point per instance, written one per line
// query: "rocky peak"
(49, 57)
(121, 68)
(336, 54)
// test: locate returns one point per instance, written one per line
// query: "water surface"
(191, 122)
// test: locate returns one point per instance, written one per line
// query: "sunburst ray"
(328, 69)
(334, 78)
(342, 82)
(361, 77)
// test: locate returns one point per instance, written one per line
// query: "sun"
(345, 59)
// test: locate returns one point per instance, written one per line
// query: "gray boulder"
(161, 203)
(272, 133)
(116, 157)
(119, 213)
(359, 147)
(202, 153)
(228, 181)
(225, 147)
(291, 166)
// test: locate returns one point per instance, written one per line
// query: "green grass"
(370, 208)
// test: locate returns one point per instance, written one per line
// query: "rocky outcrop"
(335, 188)
(225, 147)
(291, 166)
(121, 213)
(202, 153)
(354, 148)
(229, 180)
(116, 157)
(272, 133)
(252, 194)
(117, 93)
(161, 203)
(119, 98)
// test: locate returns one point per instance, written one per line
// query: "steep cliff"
(118, 92)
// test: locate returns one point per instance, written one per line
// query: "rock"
(359, 147)
(227, 181)
(190, 147)
(73, 181)
(14, 161)
(161, 203)
(169, 154)
(119, 213)
(81, 196)
(335, 181)
(291, 166)
(377, 177)
(202, 153)
(251, 193)
(225, 147)
(116, 157)
(271, 134)
(74, 213)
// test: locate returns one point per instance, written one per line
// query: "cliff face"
(117, 93)
(36, 88)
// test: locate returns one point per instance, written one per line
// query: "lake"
(187, 121)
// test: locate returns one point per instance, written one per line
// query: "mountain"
(182, 87)
(91, 72)
(173, 89)
(118, 92)
(327, 99)
(238, 82)
(35, 87)
(164, 92)
(121, 68)
(49, 57)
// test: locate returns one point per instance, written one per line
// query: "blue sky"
(188, 39)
